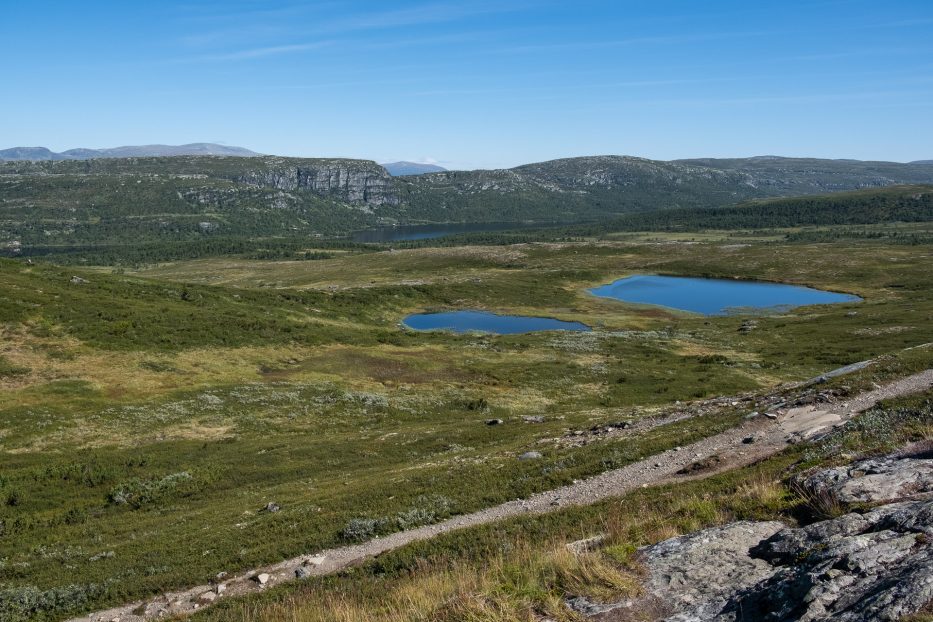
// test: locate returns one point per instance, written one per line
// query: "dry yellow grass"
(528, 582)
(522, 586)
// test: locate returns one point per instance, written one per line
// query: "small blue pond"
(716, 296)
(482, 321)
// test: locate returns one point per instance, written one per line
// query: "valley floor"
(153, 419)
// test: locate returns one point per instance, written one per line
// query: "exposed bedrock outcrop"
(876, 565)
(873, 481)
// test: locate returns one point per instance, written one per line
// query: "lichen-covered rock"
(875, 567)
(874, 481)
(695, 575)
(855, 568)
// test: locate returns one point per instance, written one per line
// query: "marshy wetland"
(151, 417)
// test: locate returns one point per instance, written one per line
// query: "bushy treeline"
(876, 206)
(296, 248)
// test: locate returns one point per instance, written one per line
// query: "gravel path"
(757, 437)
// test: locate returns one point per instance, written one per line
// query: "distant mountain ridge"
(397, 169)
(129, 151)
(122, 203)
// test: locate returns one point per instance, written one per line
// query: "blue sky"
(474, 83)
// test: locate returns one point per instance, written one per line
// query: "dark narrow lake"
(483, 321)
(716, 296)
(426, 232)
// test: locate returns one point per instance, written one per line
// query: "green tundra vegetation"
(187, 340)
(149, 415)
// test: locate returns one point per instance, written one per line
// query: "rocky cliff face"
(351, 181)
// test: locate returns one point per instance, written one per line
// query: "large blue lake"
(482, 321)
(716, 296)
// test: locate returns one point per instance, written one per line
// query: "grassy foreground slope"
(522, 570)
(149, 418)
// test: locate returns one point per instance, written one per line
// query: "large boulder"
(878, 566)
(879, 480)
(695, 575)
(859, 567)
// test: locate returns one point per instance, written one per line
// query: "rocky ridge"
(132, 151)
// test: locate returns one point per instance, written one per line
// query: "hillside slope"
(51, 206)
(136, 200)
(593, 187)
(860, 207)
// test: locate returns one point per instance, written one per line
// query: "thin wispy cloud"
(546, 89)
(268, 24)
(872, 52)
(422, 15)
(629, 41)
(263, 52)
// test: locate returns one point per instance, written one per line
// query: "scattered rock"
(262, 578)
(700, 465)
(530, 455)
(315, 560)
(272, 506)
(220, 588)
(587, 544)
(533, 419)
(220, 576)
(77, 280)
(207, 597)
(605, 428)
(587, 608)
